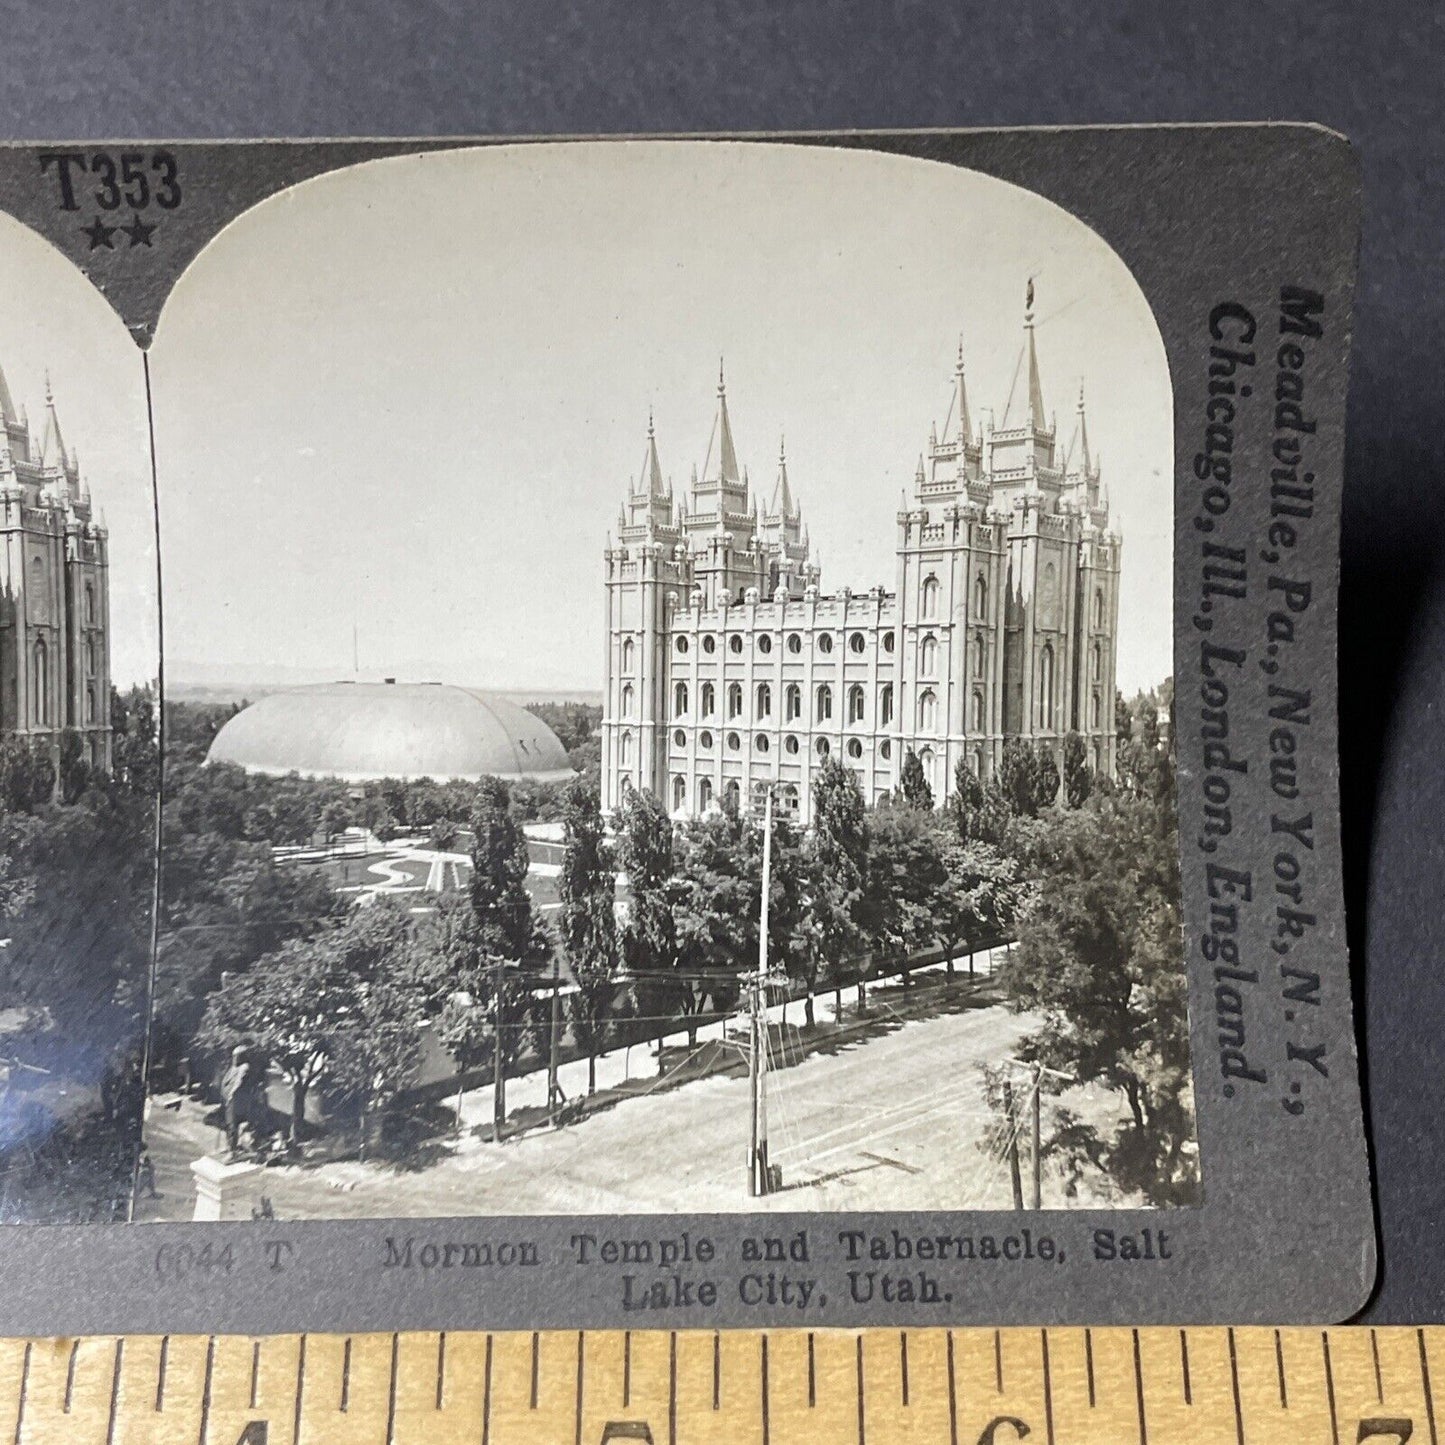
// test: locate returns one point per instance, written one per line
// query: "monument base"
(225, 1191)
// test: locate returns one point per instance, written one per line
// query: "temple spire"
(52, 445)
(1083, 436)
(651, 482)
(1036, 391)
(783, 504)
(965, 420)
(722, 460)
(8, 414)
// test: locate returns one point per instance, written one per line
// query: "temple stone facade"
(728, 666)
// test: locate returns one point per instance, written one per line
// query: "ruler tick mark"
(672, 1388)
(627, 1367)
(24, 1391)
(1279, 1370)
(861, 1432)
(255, 1372)
(114, 1392)
(1234, 1387)
(161, 1373)
(812, 1374)
(1048, 1387)
(536, 1364)
(1375, 1356)
(441, 1368)
(487, 1394)
(903, 1363)
(1184, 1366)
(1429, 1394)
(717, 1369)
(952, 1396)
(346, 1375)
(391, 1391)
(767, 1424)
(1139, 1385)
(1330, 1387)
(70, 1375)
(206, 1390)
(577, 1433)
(1089, 1363)
(300, 1385)
(998, 1362)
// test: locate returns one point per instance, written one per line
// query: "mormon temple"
(54, 591)
(729, 667)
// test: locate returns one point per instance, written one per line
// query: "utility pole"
(555, 1041)
(499, 1095)
(1037, 1153)
(1011, 1123)
(758, 1144)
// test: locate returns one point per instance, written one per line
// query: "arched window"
(978, 654)
(735, 642)
(925, 761)
(855, 703)
(735, 699)
(790, 744)
(856, 643)
(704, 739)
(764, 700)
(679, 699)
(89, 605)
(795, 643)
(885, 750)
(679, 739)
(821, 747)
(709, 644)
(1098, 661)
(887, 642)
(824, 710)
(90, 702)
(627, 699)
(626, 784)
(1046, 685)
(733, 793)
(977, 763)
(855, 748)
(734, 742)
(761, 743)
(90, 668)
(977, 720)
(682, 644)
(626, 748)
(679, 792)
(793, 704)
(708, 699)
(885, 704)
(927, 711)
(627, 648)
(825, 643)
(980, 599)
(790, 797)
(40, 683)
(930, 596)
(928, 657)
(1094, 710)
(1099, 610)
(765, 644)
(704, 794)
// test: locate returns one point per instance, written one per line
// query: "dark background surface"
(379, 67)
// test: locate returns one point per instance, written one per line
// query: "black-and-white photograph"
(79, 759)
(668, 698)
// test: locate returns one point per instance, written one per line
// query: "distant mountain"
(211, 682)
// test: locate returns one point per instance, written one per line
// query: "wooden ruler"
(1249, 1386)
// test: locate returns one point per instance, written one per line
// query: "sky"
(397, 407)
(52, 319)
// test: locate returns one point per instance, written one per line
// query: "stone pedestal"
(225, 1191)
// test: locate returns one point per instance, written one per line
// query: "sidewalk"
(637, 1063)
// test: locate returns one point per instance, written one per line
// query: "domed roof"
(363, 731)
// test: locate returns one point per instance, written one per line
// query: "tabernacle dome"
(362, 731)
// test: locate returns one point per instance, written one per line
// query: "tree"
(904, 871)
(1078, 779)
(507, 924)
(645, 848)
(965, 803)
(376, 1054)
(1018, 776)
(1046, 788)
(977, 896)
(834, 863)
(914, 786)
(587, 920)
(1100, 958)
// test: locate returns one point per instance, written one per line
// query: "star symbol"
(139, 231)
(100, 235)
